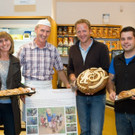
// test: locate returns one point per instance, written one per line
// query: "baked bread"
(124, 94)
(92, 80)
(132, 92)
(15, 91)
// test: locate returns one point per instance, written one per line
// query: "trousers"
(91, 114)
(7, 119)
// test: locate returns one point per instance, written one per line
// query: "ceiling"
(95, 0)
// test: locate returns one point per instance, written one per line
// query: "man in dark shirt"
(85, 54)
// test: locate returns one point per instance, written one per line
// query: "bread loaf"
(15, 91)
(126, 94)
(92, 80)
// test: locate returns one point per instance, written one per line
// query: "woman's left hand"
(22, 97)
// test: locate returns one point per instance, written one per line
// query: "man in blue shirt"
(122, 78)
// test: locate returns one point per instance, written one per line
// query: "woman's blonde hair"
(4, 34)
(83, 21)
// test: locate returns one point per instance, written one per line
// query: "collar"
(88, 47)
(34, 45)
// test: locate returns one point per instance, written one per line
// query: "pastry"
(132, 91)
(15, 91)
(124, 94)
(92, 80)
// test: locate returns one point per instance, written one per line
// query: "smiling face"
(5, 45)
(43, 33)
(128, 41)
(83, 32)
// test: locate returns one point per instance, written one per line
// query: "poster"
(51, 112)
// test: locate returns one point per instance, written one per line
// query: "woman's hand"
(22, 97)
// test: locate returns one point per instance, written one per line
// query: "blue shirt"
(111, 68)
(83, 52)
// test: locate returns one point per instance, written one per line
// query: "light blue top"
(83, 52)
(4, 67)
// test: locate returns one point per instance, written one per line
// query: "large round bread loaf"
(92, 80)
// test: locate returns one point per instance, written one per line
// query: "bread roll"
(124, 94)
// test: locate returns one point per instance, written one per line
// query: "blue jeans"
(125, 123)
(7, 119)
(91, 114)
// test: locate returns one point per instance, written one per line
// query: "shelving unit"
(107, 34)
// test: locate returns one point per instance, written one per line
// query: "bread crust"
(126, 94)
(16, 91)
(92, 80)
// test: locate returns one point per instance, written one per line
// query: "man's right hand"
(112, 95)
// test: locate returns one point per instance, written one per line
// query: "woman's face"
(5, 44)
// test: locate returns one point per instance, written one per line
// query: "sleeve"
(21, 55)
(58, 65)
(111, 68)
(70, 68)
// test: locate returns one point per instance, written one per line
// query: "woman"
(10, 78)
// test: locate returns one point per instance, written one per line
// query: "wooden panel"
(53, 40)
(24, 17)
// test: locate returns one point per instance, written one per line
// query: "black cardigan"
(98, 56)
(14, 81)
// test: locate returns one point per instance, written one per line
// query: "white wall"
(43, 8)
(70, 12)
(53, 9)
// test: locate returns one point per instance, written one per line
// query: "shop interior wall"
(43, 8)
(121, 13)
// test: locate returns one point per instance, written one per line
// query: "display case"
(21, 29)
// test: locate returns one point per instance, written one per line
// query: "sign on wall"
(25, 5)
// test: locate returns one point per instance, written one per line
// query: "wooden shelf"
(23, 17)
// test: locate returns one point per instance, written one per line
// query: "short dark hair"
(127, 29)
